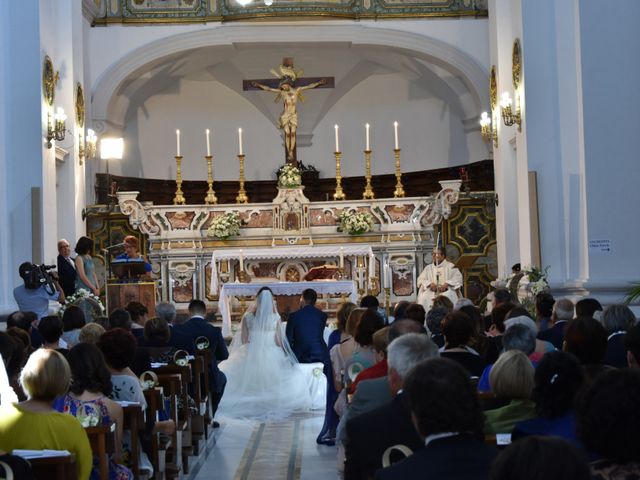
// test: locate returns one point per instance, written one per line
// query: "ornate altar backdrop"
(181, 252)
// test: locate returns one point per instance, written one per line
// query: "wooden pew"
(172, 386)
(199, 423)
(54, 468)
(153, 396)
(102, 440)
(133, 420)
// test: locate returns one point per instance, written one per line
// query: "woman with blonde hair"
(511, 379)
(34, 424)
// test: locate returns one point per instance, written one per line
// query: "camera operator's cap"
(25, 269)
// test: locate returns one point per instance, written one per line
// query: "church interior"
(335, 146)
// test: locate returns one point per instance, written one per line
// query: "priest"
(438, 278)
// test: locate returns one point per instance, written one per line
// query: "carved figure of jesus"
(288, 121)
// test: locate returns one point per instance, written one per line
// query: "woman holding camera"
(87, 278)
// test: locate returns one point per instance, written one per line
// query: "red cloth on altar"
(378, 370)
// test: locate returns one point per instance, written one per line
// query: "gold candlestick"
(242, 194)
(179, 197)
(210, 198)
(339, 194)
(399, 191)
(387, 300)
(368, 191)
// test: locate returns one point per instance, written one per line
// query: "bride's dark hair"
(262, 289)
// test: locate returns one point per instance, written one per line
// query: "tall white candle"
(239, 141)
(337, 141)
(366, 129)
(341, 256)
(395, 133)
(241, 258)
(387, 278)
(177, 143)
(208, 143)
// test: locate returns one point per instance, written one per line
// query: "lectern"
(127, 287)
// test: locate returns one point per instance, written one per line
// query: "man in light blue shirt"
(36, 299)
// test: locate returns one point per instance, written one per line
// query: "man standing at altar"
(66, 268)
(305, 331)
(438, 278)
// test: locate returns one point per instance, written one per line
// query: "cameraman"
(38, 289)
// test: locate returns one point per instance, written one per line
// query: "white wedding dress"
(264, 379)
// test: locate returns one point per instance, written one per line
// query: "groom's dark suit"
(305, 332)
(67, 275)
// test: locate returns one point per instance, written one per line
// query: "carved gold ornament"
(79, 105)
(49, 80)
(493, 89)
(516, 60)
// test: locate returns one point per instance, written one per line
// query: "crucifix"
(289, 86)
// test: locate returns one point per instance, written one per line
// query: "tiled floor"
(245, 450)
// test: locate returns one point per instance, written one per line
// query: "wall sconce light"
(111, 149)
(488, 129)
(509, 116)
(58, 129)
(88, 149)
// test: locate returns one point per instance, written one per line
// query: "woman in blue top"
(132, 251)
(86, 278)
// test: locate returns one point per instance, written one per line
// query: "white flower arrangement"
(92, 420)
(289, 176)
(225, 225)
(355, 223)
(79, 295)
(537, 279)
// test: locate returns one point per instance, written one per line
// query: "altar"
(346, 288)
(282, 241)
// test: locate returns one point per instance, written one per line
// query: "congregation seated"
(496, 331)
(371, 433)
(516, 337)
(400, 309)
(177, 339)
(327, 433)
(478, 340)
(139, 316)
(457, 329)
(22, 344)
(90, 333)
(444, 302)
(27, 321)
(364, 355)
(120, 318)
(632, 346)
(156, 341)
(50, 328)
(511, 379)
(416, 312)
(434, 324)
(33, 424)
(448, 418)
(537, 458)
(587, 340)
(557, 381)
(561, 316)
(72, 322)
(520, 315)
(376, 392)
(544, 303)
(608, 424)
(588, 307)
(88, 399)
(378, 369)
(617, 321)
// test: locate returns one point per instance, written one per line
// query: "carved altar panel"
(402, 275)
(181, 277)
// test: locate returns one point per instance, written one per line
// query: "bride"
(264, 379)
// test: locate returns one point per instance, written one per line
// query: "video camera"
(36, 276)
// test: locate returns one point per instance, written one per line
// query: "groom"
(305, 331)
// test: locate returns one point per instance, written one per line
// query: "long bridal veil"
(264, 379)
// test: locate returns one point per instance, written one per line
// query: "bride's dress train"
(264, 379)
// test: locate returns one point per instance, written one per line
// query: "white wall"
(431, 136)
(610, 73)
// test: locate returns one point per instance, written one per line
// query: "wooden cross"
(288, 86)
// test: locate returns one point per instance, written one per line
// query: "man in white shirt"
(438, 278)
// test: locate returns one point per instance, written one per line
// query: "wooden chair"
(200, 382)
(54, 468)
(206, 385)
(102, 440)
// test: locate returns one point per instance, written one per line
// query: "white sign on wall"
(600, 246)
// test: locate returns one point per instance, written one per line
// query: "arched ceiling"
(134, 81)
